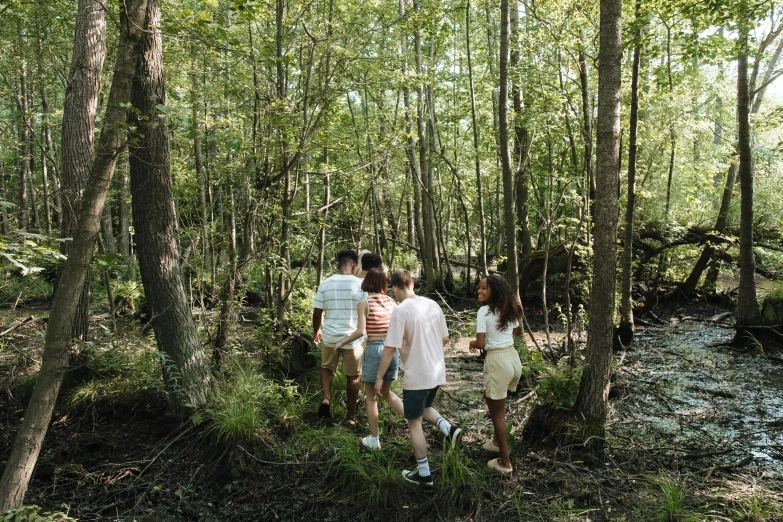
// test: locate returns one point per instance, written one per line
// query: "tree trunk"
(746, 303)
(482, 253)
(185, 365)
(24, 142)
(3, 213)
(29, 439)
(594, 386)
(78, 129)
(587, 128)
(626, 330)
(107, 229)
(45, 152)
(512, 269)
(322, 234)
(521, 142)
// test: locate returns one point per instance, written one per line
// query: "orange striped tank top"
(379, 315)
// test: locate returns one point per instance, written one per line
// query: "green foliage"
(558, 385)
(373, 476)
(759, 507)
(248, 401)
(33, 514)
(672, 501)
(122, 374)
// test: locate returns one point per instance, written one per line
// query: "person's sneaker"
(371, 442)
(490, 447)
(324, 411)
(455, 435)
(414, 478)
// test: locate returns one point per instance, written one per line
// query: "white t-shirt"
(417, 328)
(487, 323)
(338, 296)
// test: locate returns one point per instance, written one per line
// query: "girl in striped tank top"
(375, 312)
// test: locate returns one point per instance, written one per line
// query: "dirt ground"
(688, 413)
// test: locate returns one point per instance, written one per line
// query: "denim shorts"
(372, 359)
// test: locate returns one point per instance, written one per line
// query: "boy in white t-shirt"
(337, 297)
(418, 328)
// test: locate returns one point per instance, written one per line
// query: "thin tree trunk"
(594, 386)
(626, 330)
(29, 439)
(587, 127)
(185, 365)
(746, 302)
(44, 131)
(24, 140)
(322, 235)
(512, 268)
(3, 213)
(482, 254)
(521, 142)
(107, 229)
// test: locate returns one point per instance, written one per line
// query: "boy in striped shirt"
(336, 299)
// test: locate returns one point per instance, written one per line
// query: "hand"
(340, 344)
(317, 338)
(472, 347)
(379, 387)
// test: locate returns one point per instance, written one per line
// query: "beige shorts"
(502, 371)
(352, 359)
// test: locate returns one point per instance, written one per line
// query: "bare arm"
(317, 317)
(478, 343)
(362, 310)
(517, 331)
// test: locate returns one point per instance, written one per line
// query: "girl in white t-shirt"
(497, 323)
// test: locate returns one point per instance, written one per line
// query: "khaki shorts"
(352, 359)
(502, 371)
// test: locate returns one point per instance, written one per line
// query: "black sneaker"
(324, 411)
(414, 478)
(455, 435)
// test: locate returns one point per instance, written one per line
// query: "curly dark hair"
(502, 302)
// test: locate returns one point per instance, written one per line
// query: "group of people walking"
(355, 320)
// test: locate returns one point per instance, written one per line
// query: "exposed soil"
(685, 407)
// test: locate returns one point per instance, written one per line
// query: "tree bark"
(626, 330)
(512, 269)
(482, 253)
(746, 302)
(78, 128)
(587, 128)
(29, 439)
(521, 142)
(185, 365)
(22, 103)
(594, 386)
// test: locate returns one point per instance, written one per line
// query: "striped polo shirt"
(338, 296)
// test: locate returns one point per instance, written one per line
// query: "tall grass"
(248, 401)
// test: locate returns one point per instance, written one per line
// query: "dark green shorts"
(414, 402)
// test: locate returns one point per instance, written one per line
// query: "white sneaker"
(371, 442)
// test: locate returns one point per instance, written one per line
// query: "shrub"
(558, 385)
(248, 401)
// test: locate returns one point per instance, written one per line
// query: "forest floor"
(695, 433)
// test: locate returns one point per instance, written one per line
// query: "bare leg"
(326, 384)
(372, 407)
(418, 442)
(431, 415)
(391, 398)
(497, 411)
(352, 388)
